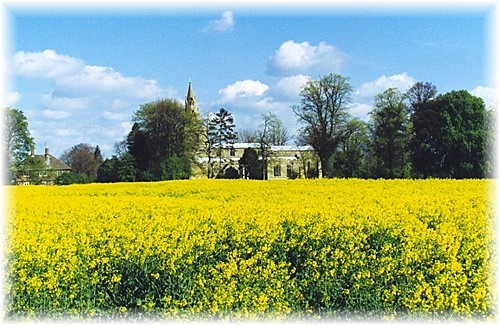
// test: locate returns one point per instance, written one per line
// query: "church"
(282, 162)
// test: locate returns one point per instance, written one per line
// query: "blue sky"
(80, 74)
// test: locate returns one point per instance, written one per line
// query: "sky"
(79, 73)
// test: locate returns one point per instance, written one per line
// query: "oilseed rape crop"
(236, 249)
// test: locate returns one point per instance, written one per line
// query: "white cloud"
(72, 74)
(11, 99)
(359, 110)
(292, 58)
(370, 89)
(66, 133)
(55, 114)
(291, 86)
(65, 103)
(106, 80)
(242, 90)
(489, 95)
(47, 64)
(223, 24)
(246, 100)
(115, 115)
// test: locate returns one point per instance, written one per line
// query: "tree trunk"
(325, 170)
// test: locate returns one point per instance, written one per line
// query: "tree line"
(415, 134)
(418, 134)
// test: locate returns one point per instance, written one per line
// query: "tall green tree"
(390, 134)
(425, 125)
(223, 135)
(16, 142)
(453, 136)
(162, 129)
(323, 114)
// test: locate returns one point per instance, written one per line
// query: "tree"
(323, 112)
(247, 136)
(176, 168)
(70, 178)
(162, 129)
(117, 169)
(223, 135)
(250, 164)
(271, 133)
(350, 158)
(208, 139)
(98, 155)
(419, 94)
(83, 159)
(138, 146)
(273, 130)
(425, 124)
(17, 141)
(390, 134)
(452, 136)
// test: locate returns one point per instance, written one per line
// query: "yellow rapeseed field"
(211, 249)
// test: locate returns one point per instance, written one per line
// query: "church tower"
(191, 101)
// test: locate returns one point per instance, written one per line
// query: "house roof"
(54, 163)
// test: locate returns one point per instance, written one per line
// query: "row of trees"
(414, 134)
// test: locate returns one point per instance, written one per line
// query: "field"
(221, 249)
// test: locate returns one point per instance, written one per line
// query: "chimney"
(32, 151)
(47, 156)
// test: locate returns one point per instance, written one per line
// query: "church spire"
(191, 101)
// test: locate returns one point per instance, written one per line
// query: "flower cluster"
(216, 249)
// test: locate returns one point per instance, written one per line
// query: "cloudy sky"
(79, 73)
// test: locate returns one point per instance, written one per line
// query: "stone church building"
(283, 162)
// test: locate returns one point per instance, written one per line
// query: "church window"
(277, 171)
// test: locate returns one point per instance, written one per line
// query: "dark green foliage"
(162, 130)
(176, 168)
(117, 170)
(70, 178)
(390, 135)
(450, 137)
(350, 158)
(250, 164)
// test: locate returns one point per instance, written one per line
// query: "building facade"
(279, 162)
(40, 169)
